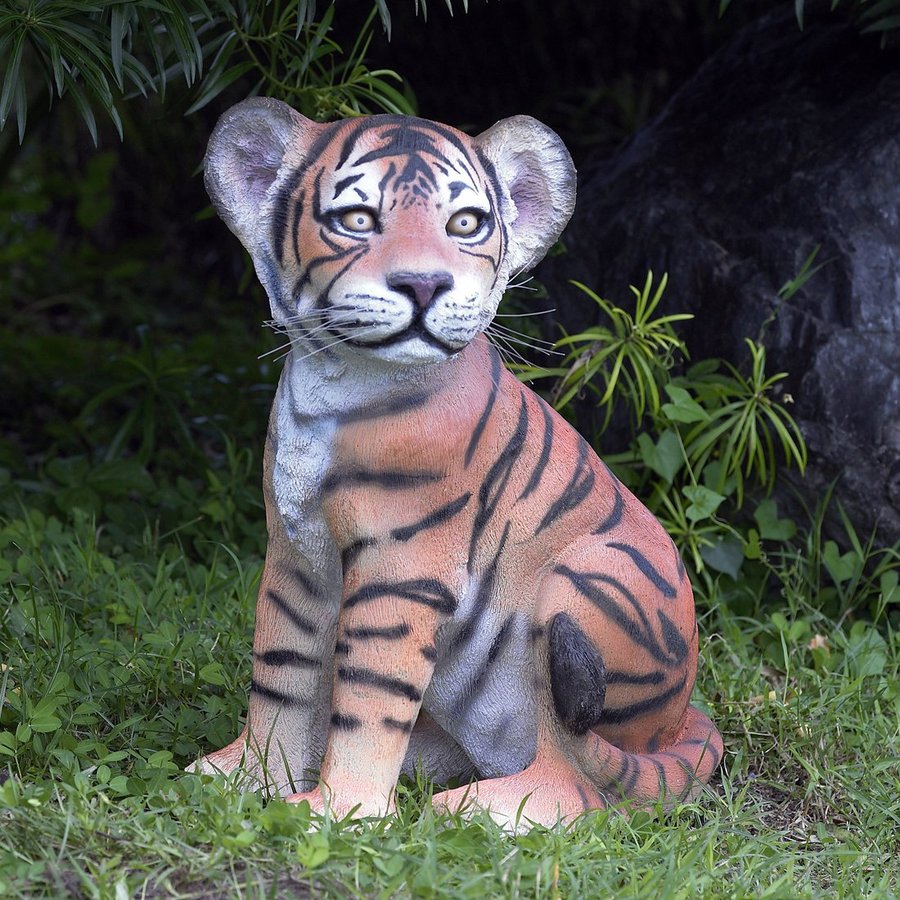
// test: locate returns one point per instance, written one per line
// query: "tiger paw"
(518, 802)
(340, 805)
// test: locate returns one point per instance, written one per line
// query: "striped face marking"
(391, 238)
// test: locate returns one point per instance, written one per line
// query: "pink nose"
(422, 288)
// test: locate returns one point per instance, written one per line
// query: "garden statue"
(453, 578)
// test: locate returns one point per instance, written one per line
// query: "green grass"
(126, 653)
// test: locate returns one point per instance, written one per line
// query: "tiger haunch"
(453, 576)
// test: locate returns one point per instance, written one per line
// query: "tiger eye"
(465, 223)
(358, 220)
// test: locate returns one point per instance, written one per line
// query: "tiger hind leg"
(576, 769)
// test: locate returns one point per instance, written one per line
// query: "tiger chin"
(453, 579)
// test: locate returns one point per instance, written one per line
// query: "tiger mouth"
(415, 329)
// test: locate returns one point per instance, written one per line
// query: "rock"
(782, 142)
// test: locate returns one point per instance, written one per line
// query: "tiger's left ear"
(535, 169)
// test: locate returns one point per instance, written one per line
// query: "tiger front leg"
(384, 660)
(283, 740)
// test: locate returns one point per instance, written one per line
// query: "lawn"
(127, 586)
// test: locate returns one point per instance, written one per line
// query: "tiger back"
(453, 578)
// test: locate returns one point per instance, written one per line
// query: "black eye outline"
(339, 216)
(481, 217)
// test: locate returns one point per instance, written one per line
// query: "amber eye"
(358, 220)
(465, 223)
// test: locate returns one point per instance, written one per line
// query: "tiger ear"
(245, 153)
(535, 169)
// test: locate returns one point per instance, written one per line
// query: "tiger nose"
(421, 287)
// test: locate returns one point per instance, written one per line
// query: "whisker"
(537, 312)
(524, 343)
(277, 349)
(504, 329)
(509, 353)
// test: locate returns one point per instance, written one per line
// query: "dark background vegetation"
(115, 242)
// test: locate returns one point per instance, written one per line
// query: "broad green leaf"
(841, 567)
(665, 457)
(772, 528)
(704, 502)
(683, 407)
(726, 555)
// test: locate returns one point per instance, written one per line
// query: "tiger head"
(387, 236)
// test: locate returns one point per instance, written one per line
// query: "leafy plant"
(739, 422)
(102, 52)
(627, 360)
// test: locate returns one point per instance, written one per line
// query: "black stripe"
(295, 227)
(634, 771)
(277, 696)
(456, 188)
(497, 479)
(618, 715)
(660, 775)
(354, 251)
(574, 493)
(406, 727)
(298, 620)
(389, 633)
(629, 678)
(387, 479)
(493, 260)
(482, 422)
(672, 636)
(543, 459)
(341, 648)
(647, 569)
(708, 746)
(615, 514)
(344, 183)
(482, 598)
(352, 551)
(640, 631)
(288, 658)
(425, 591)
(582, 795)
(429, 652)
(498, 644)
(689, 768)
(438, 517)
(309, 586)
(345, 723)
(280, 212)
(360, 675)
(386, 409)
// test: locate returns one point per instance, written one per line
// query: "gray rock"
(781, 142)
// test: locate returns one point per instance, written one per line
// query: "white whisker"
(537, 312)
(523, 343)
(511, 332)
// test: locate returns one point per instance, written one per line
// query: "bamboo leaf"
(13, 74)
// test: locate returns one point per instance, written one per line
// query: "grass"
(125, 654)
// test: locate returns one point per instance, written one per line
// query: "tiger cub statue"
(453, 578)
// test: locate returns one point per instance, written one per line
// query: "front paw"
(343, 804)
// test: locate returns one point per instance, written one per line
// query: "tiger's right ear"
(245, 153)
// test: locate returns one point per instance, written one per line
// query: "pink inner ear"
(529, 193)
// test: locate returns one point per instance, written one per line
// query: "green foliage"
(711, 444)
(120, 664)
(629, 358)
(102, 52)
